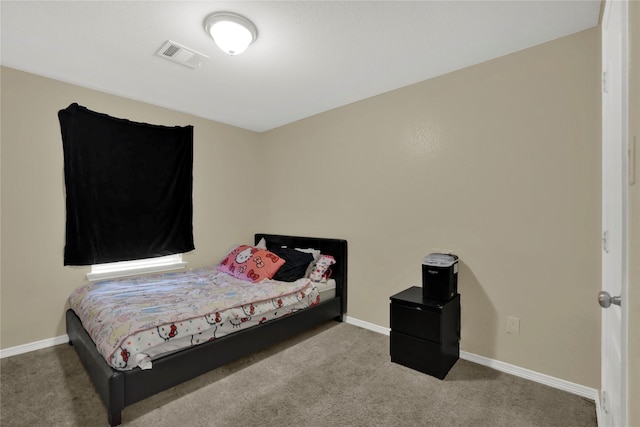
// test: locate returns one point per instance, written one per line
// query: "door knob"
(605, 300)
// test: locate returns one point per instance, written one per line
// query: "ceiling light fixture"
(231, 32)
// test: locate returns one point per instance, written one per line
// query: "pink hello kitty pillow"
(251, 263)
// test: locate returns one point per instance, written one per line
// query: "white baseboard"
(366, 325)
(580, 390)
(25, 348)
(528, 374)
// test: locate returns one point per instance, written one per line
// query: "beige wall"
(35, 285)
(499, 163)
(634, 218)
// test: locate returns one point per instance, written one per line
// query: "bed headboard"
(335, 247)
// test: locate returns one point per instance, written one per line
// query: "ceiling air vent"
(182, 55)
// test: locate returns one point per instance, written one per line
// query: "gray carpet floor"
(334, 375)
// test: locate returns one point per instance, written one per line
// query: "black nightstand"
(425, 333)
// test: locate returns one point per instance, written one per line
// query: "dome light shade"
(231, 32)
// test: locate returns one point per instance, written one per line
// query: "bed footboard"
(108, 382)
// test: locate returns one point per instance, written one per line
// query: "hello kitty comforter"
(134, 320)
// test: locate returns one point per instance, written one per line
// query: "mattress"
(327, 289)
(137, 319)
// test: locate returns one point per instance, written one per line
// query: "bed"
(118, 388)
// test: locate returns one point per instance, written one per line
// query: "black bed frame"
(119, 389)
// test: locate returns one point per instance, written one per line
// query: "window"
(129, 268)
(128, 189)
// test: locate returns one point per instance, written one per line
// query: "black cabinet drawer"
(416, 321)
(425, 333)
(424, 356)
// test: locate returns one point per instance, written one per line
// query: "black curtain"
(128, 188)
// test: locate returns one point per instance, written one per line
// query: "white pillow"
(262, 244)
(314, 252)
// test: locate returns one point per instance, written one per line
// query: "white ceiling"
(310, 56)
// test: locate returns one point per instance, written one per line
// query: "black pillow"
(295, 265)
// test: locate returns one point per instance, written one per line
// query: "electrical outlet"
(513, 325)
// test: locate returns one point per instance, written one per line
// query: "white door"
(614, 213)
